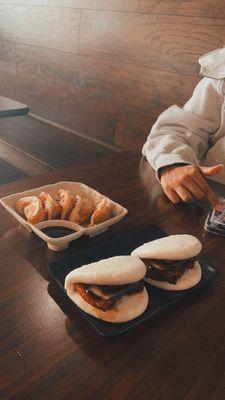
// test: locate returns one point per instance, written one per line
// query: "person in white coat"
(187, 144)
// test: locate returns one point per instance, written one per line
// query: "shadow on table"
(96, 346)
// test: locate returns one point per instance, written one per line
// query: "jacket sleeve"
(181, 135)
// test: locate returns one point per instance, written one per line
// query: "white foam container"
(57, 244)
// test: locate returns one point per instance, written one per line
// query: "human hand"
(183, 183)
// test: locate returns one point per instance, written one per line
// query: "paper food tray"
(75, 188)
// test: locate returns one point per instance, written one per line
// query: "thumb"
(209, 171)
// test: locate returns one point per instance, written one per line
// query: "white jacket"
(194, 134)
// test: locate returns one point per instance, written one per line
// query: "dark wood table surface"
(9, 107)
(49, 351)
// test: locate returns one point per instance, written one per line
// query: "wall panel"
(84, 94)
(40, 26)
(168, 43)
(105, 68)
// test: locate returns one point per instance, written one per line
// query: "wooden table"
(49, 351)
(9, 108)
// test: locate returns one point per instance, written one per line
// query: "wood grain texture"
(50, 145)
(59, 92)
(9, 173)
(26, 2)
(132, 129)
(91, 118)
(100, 79)
(40, 26)
(204, 8)
(156, 41)
(177, 354)
(22, 160)
(79, 63)
(66, 87)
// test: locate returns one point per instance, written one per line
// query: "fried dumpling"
(51, 207)
(32, 208)
(82, 211)
(102, 213)
(67, 202)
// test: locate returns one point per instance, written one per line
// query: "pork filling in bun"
(105, 297)
(111, 289)
(168, 270)
(171, 262)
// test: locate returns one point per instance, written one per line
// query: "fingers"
(172, 195)
(183, 193)
(209, 194)
(195, 190)
(182, 183)
(209, 171)
(219, 207)
(177, 195)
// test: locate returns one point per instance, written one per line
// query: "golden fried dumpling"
(25, 201)
(101, 214)
(67, 202)
(51, 207)
(32, 208)
(82, 211)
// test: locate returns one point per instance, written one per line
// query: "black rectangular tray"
(159, 299)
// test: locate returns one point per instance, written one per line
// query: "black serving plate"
(159, 299)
